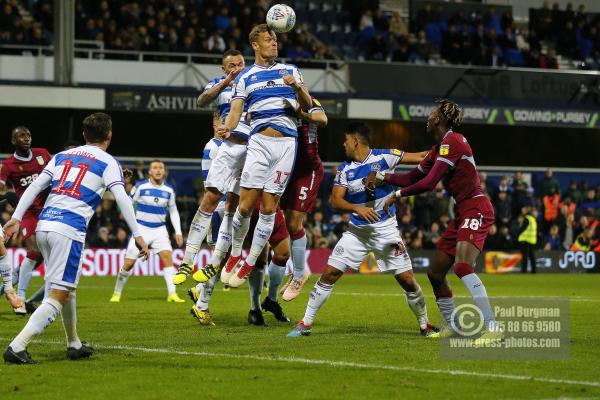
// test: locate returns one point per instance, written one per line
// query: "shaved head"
(18, 129)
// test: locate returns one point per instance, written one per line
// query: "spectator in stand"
(503, 186)
(398, 27)
(527, 238)
(548, 184)
(432, 236)
(423, 47)
(216, 43)
(102, 239)
(503, 208)
(584, 241)
(121, 239)
(440, 203)
(549, 61)
(497, 239)
(553, 241)
(551, 202)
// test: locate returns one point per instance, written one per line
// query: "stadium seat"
(514, 57)
(433, 33)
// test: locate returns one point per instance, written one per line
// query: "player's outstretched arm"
(36, 187)
(233, 119)
(338, 202)
(414, 158)
(427, 183)
(302, 94)
(317, 117)
(175, 221)
(216, 121)
(125, 205)
(209, 95)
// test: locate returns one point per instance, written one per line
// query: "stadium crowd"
(568, 218)
(325, 30)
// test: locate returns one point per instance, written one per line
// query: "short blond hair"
(257, 30)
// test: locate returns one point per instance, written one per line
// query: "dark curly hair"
(450, 112)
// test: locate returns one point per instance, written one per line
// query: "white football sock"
(168, 274)
(318, 296)
(255, 286)
(43, 316)
(299, 256)
(480, 297)
(223, 240)
(239, 227)
(196, 235)
(416, 302)
(446, 306)
(276, 273)
(6, 272)
(69, 318)
(262, 233)
(121, 281)
(205, 291)
(25, 271)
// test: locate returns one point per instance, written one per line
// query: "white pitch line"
(334, 363)
(358, 294)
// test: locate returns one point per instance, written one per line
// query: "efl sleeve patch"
(444, 150)
(397, 152)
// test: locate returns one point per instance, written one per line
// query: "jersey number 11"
(73, 191)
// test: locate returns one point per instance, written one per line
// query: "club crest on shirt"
(40, 160)
(283, 72)
(444, 149)
(375, 167)
(350, 175)
(253, 78)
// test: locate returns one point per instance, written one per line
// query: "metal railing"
(94, 50)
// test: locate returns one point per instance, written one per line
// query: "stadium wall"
(107, 262)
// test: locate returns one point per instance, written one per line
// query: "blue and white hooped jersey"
(208, 155)
(80, 176)
(223, 103)
(271, 103)
(351, 175)
(152, 203)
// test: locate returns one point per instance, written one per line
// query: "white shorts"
(62, 258)
(226, 169)
(157, 239)
(382, 239)
(269, 163)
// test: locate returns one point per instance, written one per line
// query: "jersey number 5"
(73, 191)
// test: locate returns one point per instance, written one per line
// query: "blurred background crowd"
(337, 29)
(568, 218)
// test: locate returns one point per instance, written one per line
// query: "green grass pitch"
(365, 345)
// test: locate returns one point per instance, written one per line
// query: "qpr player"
(371, 228)
(78, 178)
